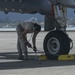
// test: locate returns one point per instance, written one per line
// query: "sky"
(14, 16)
(70, 13)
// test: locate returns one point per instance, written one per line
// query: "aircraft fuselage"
(26, 6)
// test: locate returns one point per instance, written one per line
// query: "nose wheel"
(56, 43)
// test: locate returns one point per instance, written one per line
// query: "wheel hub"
(53, 45)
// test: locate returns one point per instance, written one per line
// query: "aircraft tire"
(56, 43)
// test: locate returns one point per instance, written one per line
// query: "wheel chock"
(66, 57)
(43, 57)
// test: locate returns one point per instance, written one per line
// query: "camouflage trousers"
(22, 48)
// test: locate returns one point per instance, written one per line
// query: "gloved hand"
(29, 45)
(34, 49)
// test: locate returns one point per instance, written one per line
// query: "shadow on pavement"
(19, 64)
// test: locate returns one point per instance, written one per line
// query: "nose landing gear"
(56, 43)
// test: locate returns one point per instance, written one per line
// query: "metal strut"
(61, 17)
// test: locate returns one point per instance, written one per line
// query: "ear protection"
(37, 27)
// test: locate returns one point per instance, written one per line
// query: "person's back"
(28, 26)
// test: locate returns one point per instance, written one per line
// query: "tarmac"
(10, 65)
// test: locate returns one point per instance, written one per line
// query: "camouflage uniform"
(20, 41)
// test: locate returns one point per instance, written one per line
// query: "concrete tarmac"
(10, 65)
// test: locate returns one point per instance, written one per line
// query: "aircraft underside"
(56, 41)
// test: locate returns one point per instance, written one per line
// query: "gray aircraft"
(56, 41)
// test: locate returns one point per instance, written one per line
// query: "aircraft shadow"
(19, 64)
